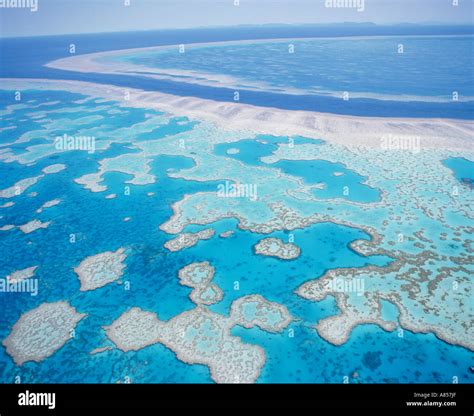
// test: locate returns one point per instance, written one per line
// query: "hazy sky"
(84, 16)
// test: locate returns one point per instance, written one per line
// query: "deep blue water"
(430, 68)
(25, 57)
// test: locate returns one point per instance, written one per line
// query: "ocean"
(25, 57)
(131, 141)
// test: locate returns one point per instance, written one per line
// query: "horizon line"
(419, 24)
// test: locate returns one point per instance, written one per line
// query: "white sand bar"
(357, 131)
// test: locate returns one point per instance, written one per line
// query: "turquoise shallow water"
(250, 151)
(339, 182)
(463, 169)
(152, 271)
